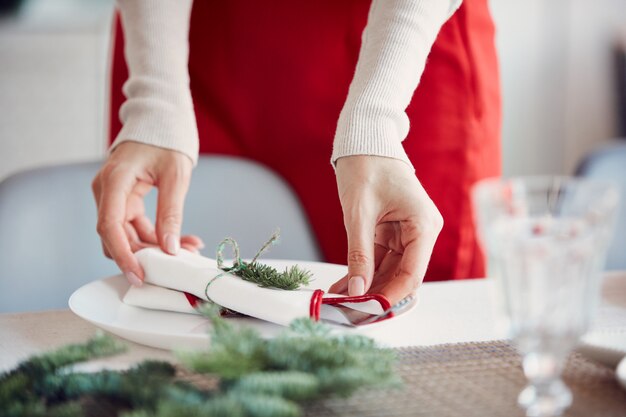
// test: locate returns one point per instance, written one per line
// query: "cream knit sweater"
(396, 41)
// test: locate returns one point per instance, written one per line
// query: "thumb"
(171, 200)
(360, 254)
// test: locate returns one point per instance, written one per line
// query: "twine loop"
(238, 263)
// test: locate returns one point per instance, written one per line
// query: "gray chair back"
(49, 246)
(609, 163)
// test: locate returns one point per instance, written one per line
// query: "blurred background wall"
(557, 60)
(557, 68)
(53, 62)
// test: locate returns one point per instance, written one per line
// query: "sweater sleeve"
(158, 109)
(395, 45)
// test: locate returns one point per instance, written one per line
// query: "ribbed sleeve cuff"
(152, 127)
(158, 117)
(362, 134)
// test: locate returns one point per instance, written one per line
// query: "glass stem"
(546, 394)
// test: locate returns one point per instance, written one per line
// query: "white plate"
(620, 373)
(100, 302)
(606, 343)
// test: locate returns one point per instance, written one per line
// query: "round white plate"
(100, 302)
(606, 343)
(620, 373)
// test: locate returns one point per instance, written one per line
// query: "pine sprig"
(22, 389)
(100, 346)
(260, 405)
(339, 364)
(292, 385)
(140, 386)
(267, 276)
(263, 275)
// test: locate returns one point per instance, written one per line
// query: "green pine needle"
(292, 385)
(263, 275)
(267, 276)
(259, 405)
(99, 346)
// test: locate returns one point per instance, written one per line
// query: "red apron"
(269, 79)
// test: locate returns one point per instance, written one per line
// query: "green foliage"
(305, 362)
(101, 345)
(234, 351)
(222, 406)
(23, 390)
(259, 405)
(140, 386)
(263, 275)
(14, 386)
(228, 365)
(292, 385)
(267, 276)
(257, 377)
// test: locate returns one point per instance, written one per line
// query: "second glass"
(546, 239)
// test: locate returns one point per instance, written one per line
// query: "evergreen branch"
(20, 388)
(267, 276)
(263, 275)
(222, 406)
(99, 346)
(234, 351)
(293, 385)
(259, 405)
(228, 365)
(140, 386)
(338, 363)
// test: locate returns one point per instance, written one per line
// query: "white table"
(448, 312)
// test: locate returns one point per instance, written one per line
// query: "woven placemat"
(475, 379)
(465, 379)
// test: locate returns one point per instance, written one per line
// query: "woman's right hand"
(119, 188)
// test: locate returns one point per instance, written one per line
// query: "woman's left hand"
(392, 225)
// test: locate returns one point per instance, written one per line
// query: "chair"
(49, 246)
(609, 163)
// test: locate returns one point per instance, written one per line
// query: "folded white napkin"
(159, 298)
(199, 276)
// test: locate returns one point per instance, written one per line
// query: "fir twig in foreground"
(23, 391)
(339, 363)
(257, 377)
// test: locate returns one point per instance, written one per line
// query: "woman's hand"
(119, 189)
(392, 226)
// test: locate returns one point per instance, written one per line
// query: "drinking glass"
(546, 239)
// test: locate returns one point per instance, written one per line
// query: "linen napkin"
(160, 298)
(173, 282)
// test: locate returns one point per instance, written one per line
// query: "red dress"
(268, 80)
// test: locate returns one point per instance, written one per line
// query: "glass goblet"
(546, 239)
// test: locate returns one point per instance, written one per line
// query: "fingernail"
(356, 286)
(172, 244)
(133, 279)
